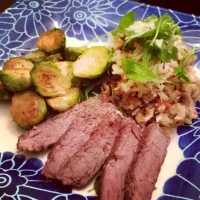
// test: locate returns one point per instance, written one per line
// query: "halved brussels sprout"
(52, 41)
(36, 56)
(4, 94)
(54, 58)
(17, 63)
(28, 109)
(63, 103)
(16, 80)
(52, 79)
(39, 56)
(72, 53)
(92, 63)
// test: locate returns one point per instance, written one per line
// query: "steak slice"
(124, 151)
(143, 173)
(49, 132)
(77, 135)
(83, 166)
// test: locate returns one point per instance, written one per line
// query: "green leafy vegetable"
(165, 28)
(125, 21)
(134, 35)
(97, 184)
(179, 71)
(139, 72)
(159, 50)
(153, 28)
(165, 55)
(87, 91)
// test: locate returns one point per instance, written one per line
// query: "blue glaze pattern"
(21, 178)
(20, 26)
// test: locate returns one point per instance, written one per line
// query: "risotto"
(169, 100)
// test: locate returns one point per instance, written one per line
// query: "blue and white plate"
(20, 26)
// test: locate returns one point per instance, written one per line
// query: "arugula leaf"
(160, 50)
(125, 21)
(165, 55)
(179, 71)
(165, 28)
(146, 57)
(151, 18)
(97, 184)
(87, 91)
(138, 72)
(133, 36)
(89, 88)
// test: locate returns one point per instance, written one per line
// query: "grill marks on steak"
(143, 173)
(85, 164)
(49, 132)
(77, 135)
(119, 161)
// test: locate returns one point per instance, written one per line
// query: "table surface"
(190, 6)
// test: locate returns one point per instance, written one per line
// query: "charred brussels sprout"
(36, 56)
(54, 58)
(52, 41)
(4, 94)
(28, 109)
(72, 53)
(92, 63)
(63, 103)
(17, 63)
(39, 56)
(52, 79)
(16, 80)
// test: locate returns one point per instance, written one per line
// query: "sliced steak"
(47, 133)
(143, 173)
(77, 135)
(115, 170)
(83, 166)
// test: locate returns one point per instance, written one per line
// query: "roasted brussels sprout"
(52, 79)
(28, 109)
(39, 56)
(72, 53)
(36, 56)
(16, 80)
(92, 63)
(4, 94)
(17, 63)
(63, 103)
(54, 58)
(52, 41)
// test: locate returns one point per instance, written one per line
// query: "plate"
(20, 26)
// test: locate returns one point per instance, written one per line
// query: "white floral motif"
(21, 178)
(36, 16)
(88, 19)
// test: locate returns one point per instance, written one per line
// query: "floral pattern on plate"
(20, 26)
(21, 178)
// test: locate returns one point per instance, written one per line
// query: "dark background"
(188, 6)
